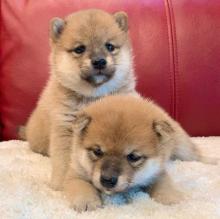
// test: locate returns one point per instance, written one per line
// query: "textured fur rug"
(25, 194)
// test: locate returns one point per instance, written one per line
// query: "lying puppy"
(90, 57)
(122, 142)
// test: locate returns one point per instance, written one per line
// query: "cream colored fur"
(121, 124)
(48, 128)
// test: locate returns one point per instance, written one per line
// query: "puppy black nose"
(108, 182)
(99, 63)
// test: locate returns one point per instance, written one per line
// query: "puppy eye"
(132, 157)
(110, 47)
(79, 49)
(97, 152)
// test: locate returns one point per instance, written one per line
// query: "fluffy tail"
(21, 133)
(209, 160)
(186, 150)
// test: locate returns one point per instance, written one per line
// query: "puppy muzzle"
(97, 78)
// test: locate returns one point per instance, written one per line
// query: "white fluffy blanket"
(25, 194)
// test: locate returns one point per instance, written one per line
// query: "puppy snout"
(110, 171)
(99, 63)
(108, 181)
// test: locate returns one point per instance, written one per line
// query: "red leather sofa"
(176, 47)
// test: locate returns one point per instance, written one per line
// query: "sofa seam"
(176, 62)
(173, 55)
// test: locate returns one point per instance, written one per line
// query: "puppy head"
(119, 146)
(91, 51)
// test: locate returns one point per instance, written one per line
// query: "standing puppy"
(90, 58)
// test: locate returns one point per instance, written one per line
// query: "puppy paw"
(165, 192)
(86, 202)
(169, 198)
(55, 185)
(81, 194)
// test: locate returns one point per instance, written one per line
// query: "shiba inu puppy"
(122, 142)
(90, 58)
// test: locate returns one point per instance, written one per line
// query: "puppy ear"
(81, 122)
(122, 19)
(163, 130)
(56, 28)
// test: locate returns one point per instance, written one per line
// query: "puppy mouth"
(112, 191)
(97, 79)
(108, 192)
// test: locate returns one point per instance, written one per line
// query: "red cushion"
(176, 47)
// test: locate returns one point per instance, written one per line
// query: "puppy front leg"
(164, 191)
(81, 194)
(60, 143)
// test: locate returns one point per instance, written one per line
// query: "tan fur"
(49, 127)
(120, 125)
(164, 191)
